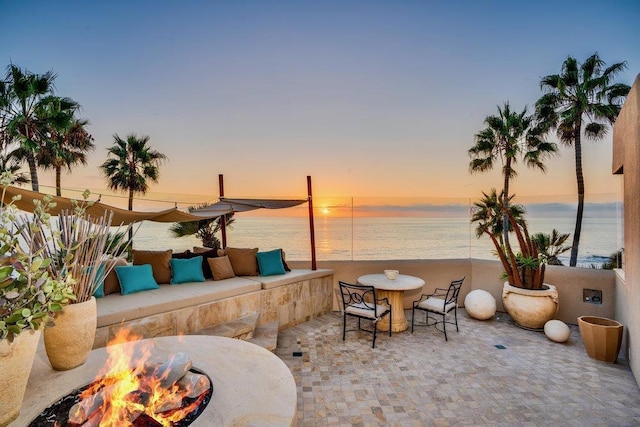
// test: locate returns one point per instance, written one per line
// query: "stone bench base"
(289, 304)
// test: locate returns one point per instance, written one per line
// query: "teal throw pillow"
(186, 270)
(270, 262)
(98, 283)
(135, 278)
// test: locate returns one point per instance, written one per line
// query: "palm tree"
(205, 229)
(24, 91)
(582, 98)
(68, 141)
(524, 268)
(9, 164)
(508, 136)
(488, 213)
(5, 102)
(551, 245)
(132, 166)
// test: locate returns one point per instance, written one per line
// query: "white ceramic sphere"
(480, 304)
(557, 330)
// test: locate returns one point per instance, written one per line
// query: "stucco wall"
(484, 274)
(626, 159)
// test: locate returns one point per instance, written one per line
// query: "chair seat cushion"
(366, 310)
(436, 305)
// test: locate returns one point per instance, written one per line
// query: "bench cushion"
(114, 308)
(159, 261)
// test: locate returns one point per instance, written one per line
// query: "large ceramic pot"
(70, 341)
(529, 308)
(602, 337)
(16, 359)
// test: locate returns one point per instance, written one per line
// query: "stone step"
(241, 328)
(266, 336)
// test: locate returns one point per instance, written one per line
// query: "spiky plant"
(525, 268)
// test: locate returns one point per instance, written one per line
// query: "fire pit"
(252, 385)
(60, 413)
(134, 390)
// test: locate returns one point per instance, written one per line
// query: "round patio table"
(393, 290)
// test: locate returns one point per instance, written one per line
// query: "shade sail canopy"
(124, 216)
(226, 205)
(120, 216)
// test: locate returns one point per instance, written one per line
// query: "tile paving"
(420, 380)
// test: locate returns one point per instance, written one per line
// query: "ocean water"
(386, 237)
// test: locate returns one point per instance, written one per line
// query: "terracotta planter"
(16, 359)
(530, 309)
(601, 337)
(70, 341)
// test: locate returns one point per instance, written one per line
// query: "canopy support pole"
(311, 227)
(223, 218)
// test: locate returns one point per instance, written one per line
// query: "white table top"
(401, 283)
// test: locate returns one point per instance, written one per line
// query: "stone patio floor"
(421, 380)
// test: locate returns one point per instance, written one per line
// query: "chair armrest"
(422, 298)
(434, 294)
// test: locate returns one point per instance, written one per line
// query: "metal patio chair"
(361, 302)
(439, 303)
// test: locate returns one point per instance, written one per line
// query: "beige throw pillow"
(221, 268)
(243, 261)
(160, 263)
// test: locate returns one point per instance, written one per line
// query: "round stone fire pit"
(252, 385)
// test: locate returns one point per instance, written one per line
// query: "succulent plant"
(29, 293)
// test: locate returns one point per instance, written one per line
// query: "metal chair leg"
(413, 317)
(374, 335)
(344, 326)
(444, 327)
(455, 312)
(390, 323)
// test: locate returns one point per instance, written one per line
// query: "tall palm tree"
(68, 141)
(5, 102)
(582, 98)
(508, 136)
(7, 162)
(130, 165)
(25, 91)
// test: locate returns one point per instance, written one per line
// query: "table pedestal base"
(399, 321)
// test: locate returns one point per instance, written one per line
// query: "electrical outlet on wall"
(592, 296)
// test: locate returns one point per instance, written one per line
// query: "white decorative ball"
(557, 330)
(480, 304)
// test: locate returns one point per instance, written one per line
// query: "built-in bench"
(290, 298)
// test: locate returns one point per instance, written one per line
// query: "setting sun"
(325, 211)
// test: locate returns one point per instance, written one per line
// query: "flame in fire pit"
(133, 387)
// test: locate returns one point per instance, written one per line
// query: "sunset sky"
(370, 98)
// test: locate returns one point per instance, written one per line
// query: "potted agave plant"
(30, 295)
(80, 251)
(526, 297)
